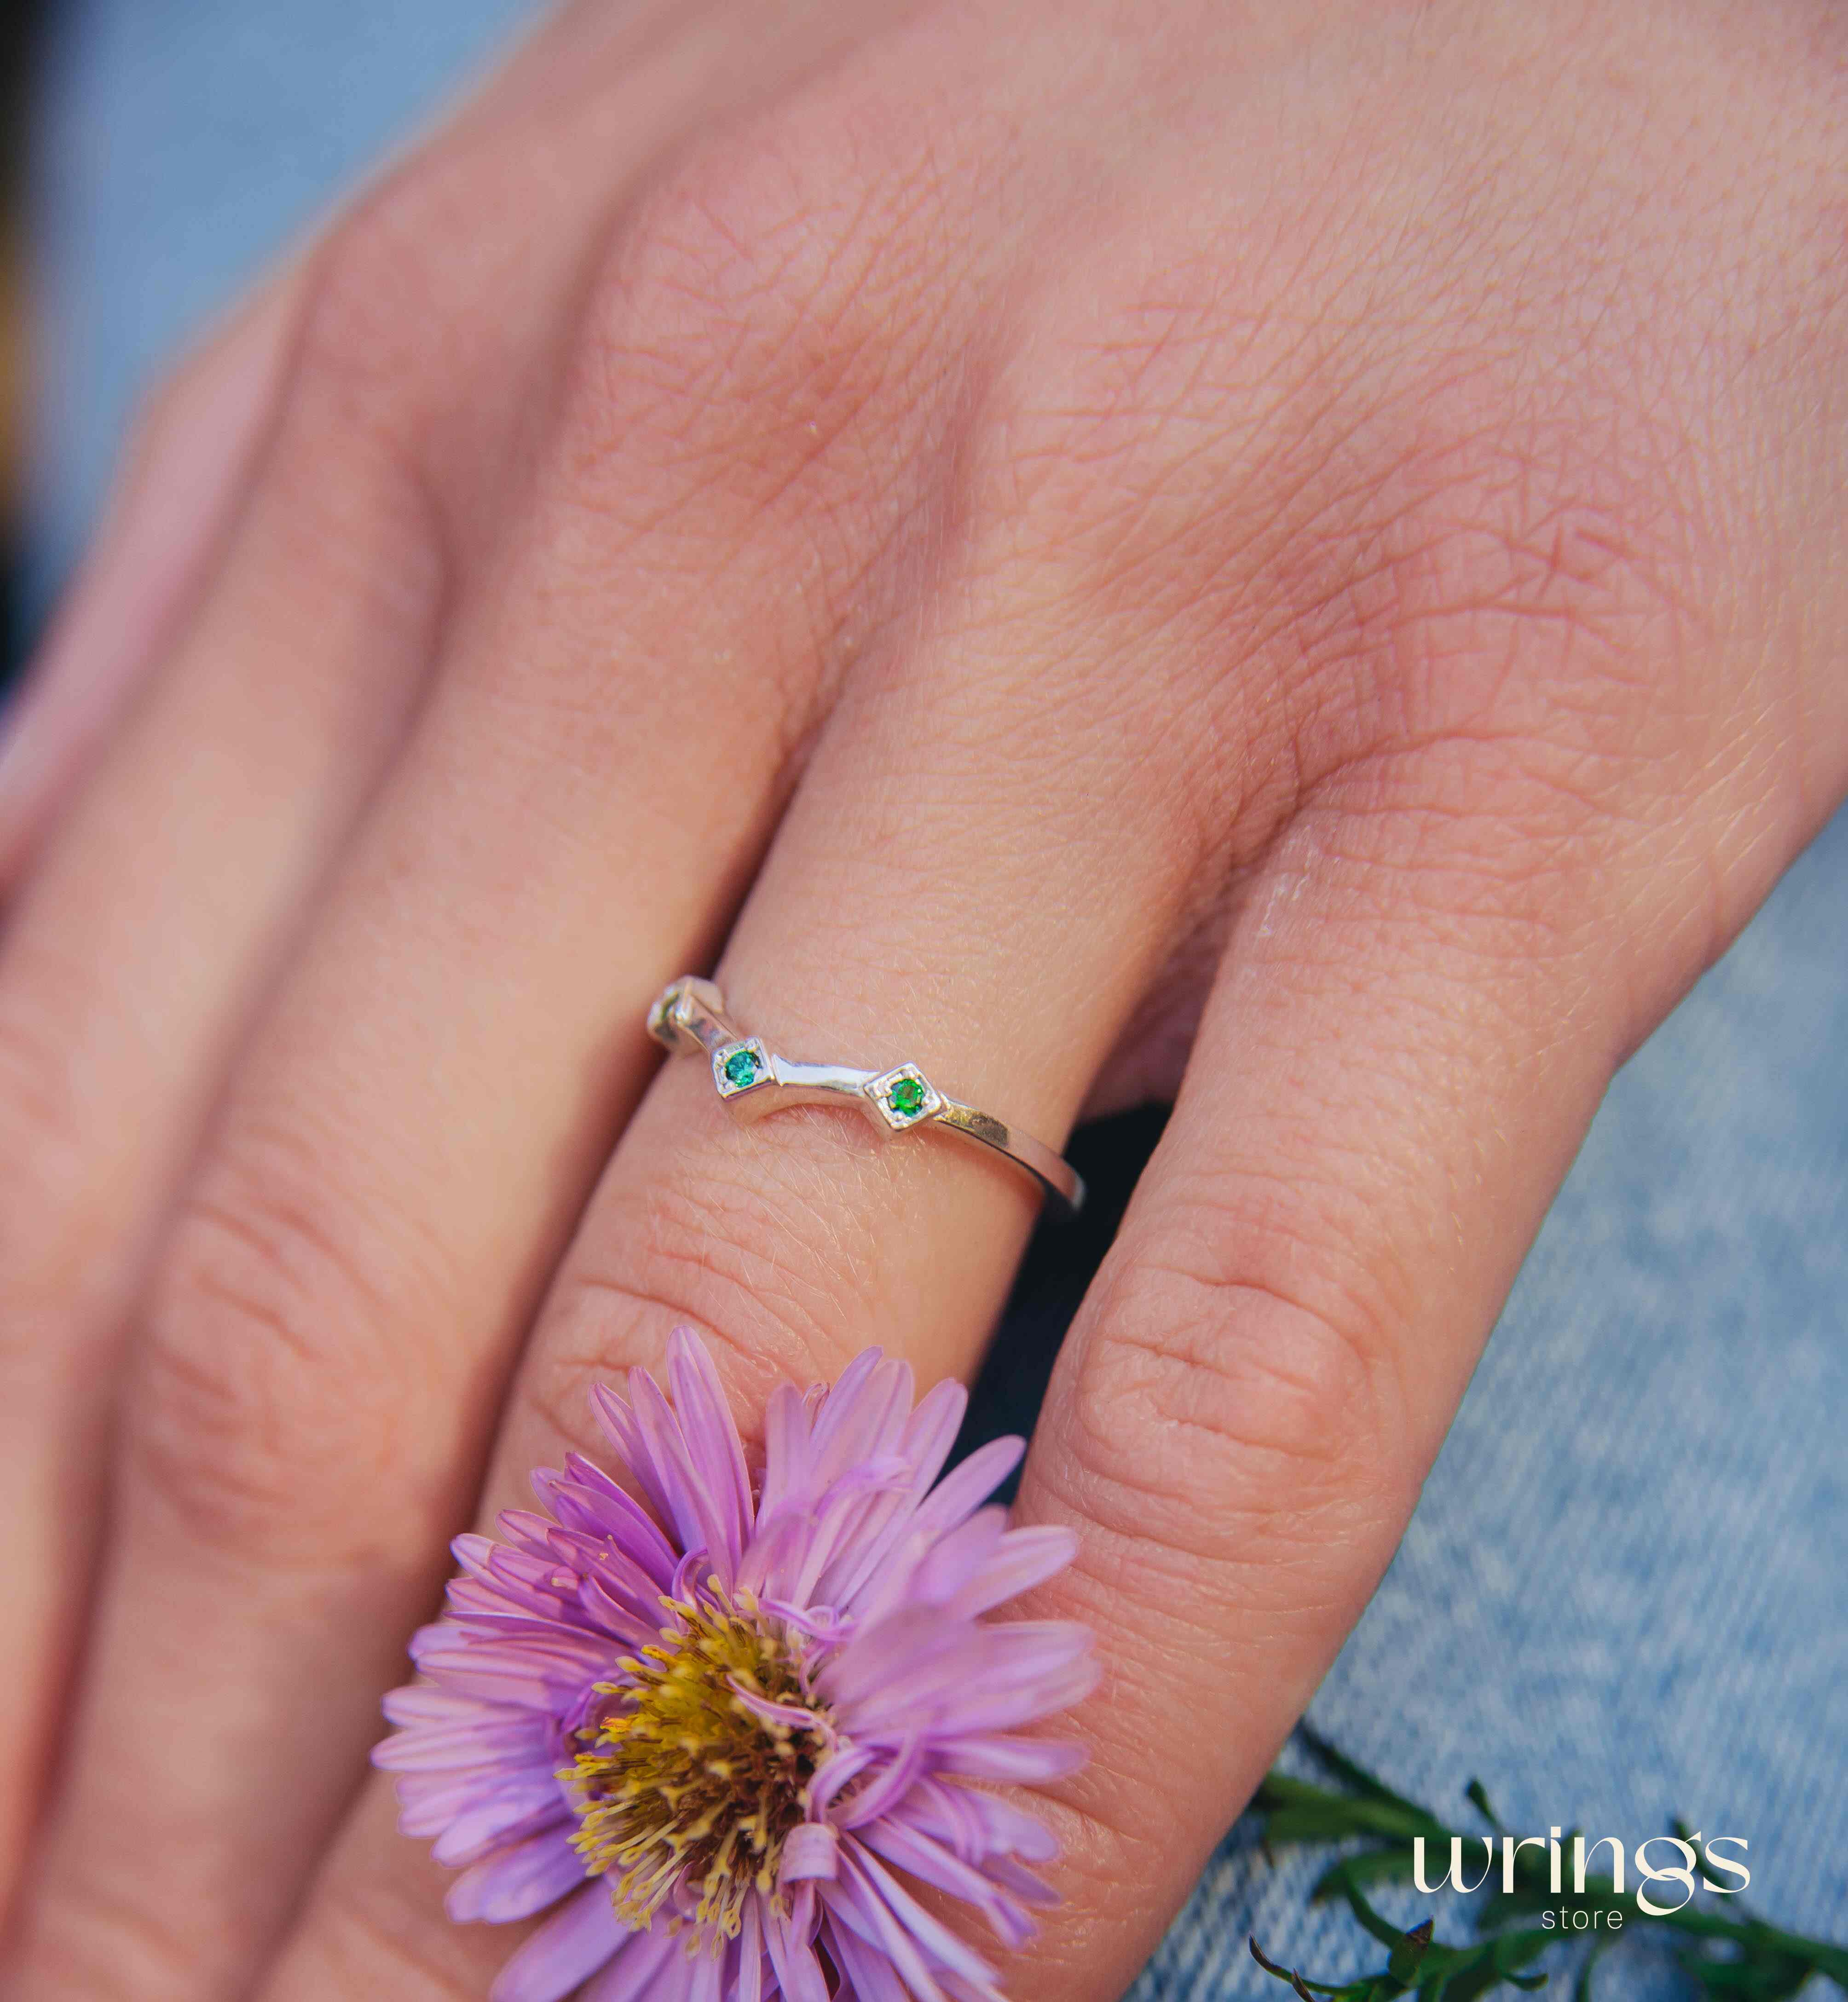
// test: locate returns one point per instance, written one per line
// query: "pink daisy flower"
(727, 1728)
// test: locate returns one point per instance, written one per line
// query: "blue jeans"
(1624, 1596)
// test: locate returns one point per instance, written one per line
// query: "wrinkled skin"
(1289, 554)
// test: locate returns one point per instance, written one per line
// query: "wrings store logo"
(1688, 1873)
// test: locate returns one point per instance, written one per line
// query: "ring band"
(688, 1016)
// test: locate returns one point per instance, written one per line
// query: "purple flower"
(727, 1728)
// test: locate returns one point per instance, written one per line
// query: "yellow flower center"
(684, 1781)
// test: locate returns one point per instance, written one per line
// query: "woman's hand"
(1292, 552)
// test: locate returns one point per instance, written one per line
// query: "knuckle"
(1396, 544)
(1490, 631)
(371, 292)
(729, 1256)
(1472, 567)
(353, 444)
(1120, 477)
(348, 464)
(1219, 1412)
(1126, 409)
(272, 1373)
(751, 307)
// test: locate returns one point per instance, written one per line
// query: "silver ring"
(688, 1018)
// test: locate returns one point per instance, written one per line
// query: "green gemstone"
(906, 1098)
(741, 1068)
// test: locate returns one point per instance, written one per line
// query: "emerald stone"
(741, 1068)
(906, 1097)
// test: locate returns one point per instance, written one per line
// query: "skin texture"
(1290, 555)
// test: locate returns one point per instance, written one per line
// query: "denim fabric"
(1624, 1596)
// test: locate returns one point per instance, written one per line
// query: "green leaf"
(1383, 1929)
(1356, 1775)
(1372, 1866)
(1510, 1950)
(1474, 1980)
(1281, 1789)
(1404, 1964)
(1308, 1990)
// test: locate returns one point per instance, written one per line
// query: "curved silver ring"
(688, 1018)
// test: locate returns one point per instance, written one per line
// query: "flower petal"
(1026, 1557)
(810, 1851)
(878, 1581)
(495, 1734)
(568, 1948)
(777, 1553)
(976, 1823)
(1001, 1756)
(839, 1513)
(854, 1905)
(524, 1801)
(514, 1883)
(958, 1557)
(750, 1955)
(836, 1411)
(788, 1460)
(646, 1968)
(933, 1427)
(883, 1894)
(419, 1703)
(639, 1532)
(604, 1513)
(723, 1483)
(916, 1670)
(550, 1677)
(668, 1470)
(964, 1488)
(430, 1801)
(886, 1789)
(787, 1935)
(870, 1976)
(619, 1420)
(932, 1863)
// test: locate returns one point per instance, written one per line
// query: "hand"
(1289, 553)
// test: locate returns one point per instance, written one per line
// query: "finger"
(125, 972)
(903, 913)
(146, 936)
(1408, 1040)
(351, 1271)
(192, 458)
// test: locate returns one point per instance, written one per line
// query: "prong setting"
(905, 1097)
(741, 1067)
